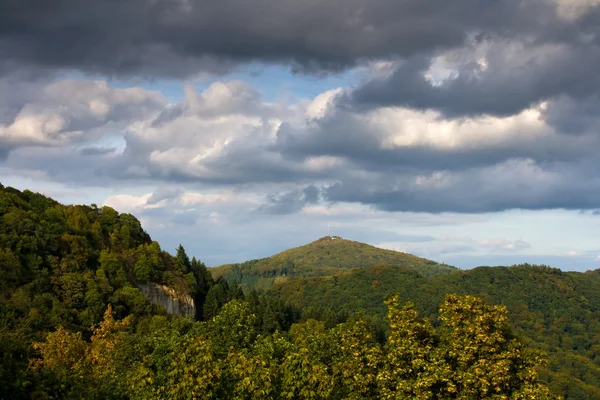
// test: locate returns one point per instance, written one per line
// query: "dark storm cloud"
(351, 137)
(506, 85)
(182, 37)
(574, 117)
(5, 150)
(164, 193)
(16, 90)
(514, 185)
(311, 194)
(97, 151)
(290, 202)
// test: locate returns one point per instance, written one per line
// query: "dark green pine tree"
(236, 292)
(204, 282)
(183, 259)
(215, 298)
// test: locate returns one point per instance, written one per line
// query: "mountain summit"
(329, 255)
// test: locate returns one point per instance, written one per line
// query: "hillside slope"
(558, 312)
(62, 265)
(327, 256)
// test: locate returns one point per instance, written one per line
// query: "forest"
(332, 320)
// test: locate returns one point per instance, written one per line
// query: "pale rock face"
(175, 304)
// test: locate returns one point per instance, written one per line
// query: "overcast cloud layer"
(182, 37)
(464, 107)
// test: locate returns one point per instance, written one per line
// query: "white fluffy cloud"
(74, 111)
(463, 110)
(227, 136)
(225, 160)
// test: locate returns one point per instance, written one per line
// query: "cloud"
(398, 159)
(60, 113)
(515, 184)
(164, 194)
(97, 151)
(290, 202)
(502, 245)
(441, 247)
(304, 155)
(186, 37)
(456, 111)
(127, 203)
(463, 58)
(170, 206)
(493, 77)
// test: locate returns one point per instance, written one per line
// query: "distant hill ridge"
(329, 255)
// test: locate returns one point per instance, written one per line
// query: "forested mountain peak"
(329, 238)
(327, 256)
(335, 251)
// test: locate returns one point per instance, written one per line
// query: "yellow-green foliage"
(324, 257)
(472, 355)
(557, 312)
(61, 266)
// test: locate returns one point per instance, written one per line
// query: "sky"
(464, 131)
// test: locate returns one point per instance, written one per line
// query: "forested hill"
(556, 311)
(327, 256)
(62, 265)
(82, 256)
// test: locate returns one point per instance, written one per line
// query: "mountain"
(555, 311)
(327, 256)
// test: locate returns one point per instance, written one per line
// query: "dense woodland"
(330, 255)
(318, 322)
(557, 312)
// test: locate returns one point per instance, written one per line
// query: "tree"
(235, 291)
(357, 361)
(305, 378)
(413, 367)
(233, 327)
(485, 360)
(204, 282)
(143, 269)
(473, 356)
(85, 367)
(183, 259)
(215, 298)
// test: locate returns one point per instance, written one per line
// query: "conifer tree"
(183, 258)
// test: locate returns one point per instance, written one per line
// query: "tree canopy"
(471, 355)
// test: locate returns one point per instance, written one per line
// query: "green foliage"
(215, 299)
(60, 266)
(234, 327)
(204, 282)
(324, 257)
(556, 312)
(72, 366)
(225, 358)
(356, 361)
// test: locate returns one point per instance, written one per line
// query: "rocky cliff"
(174, 303)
